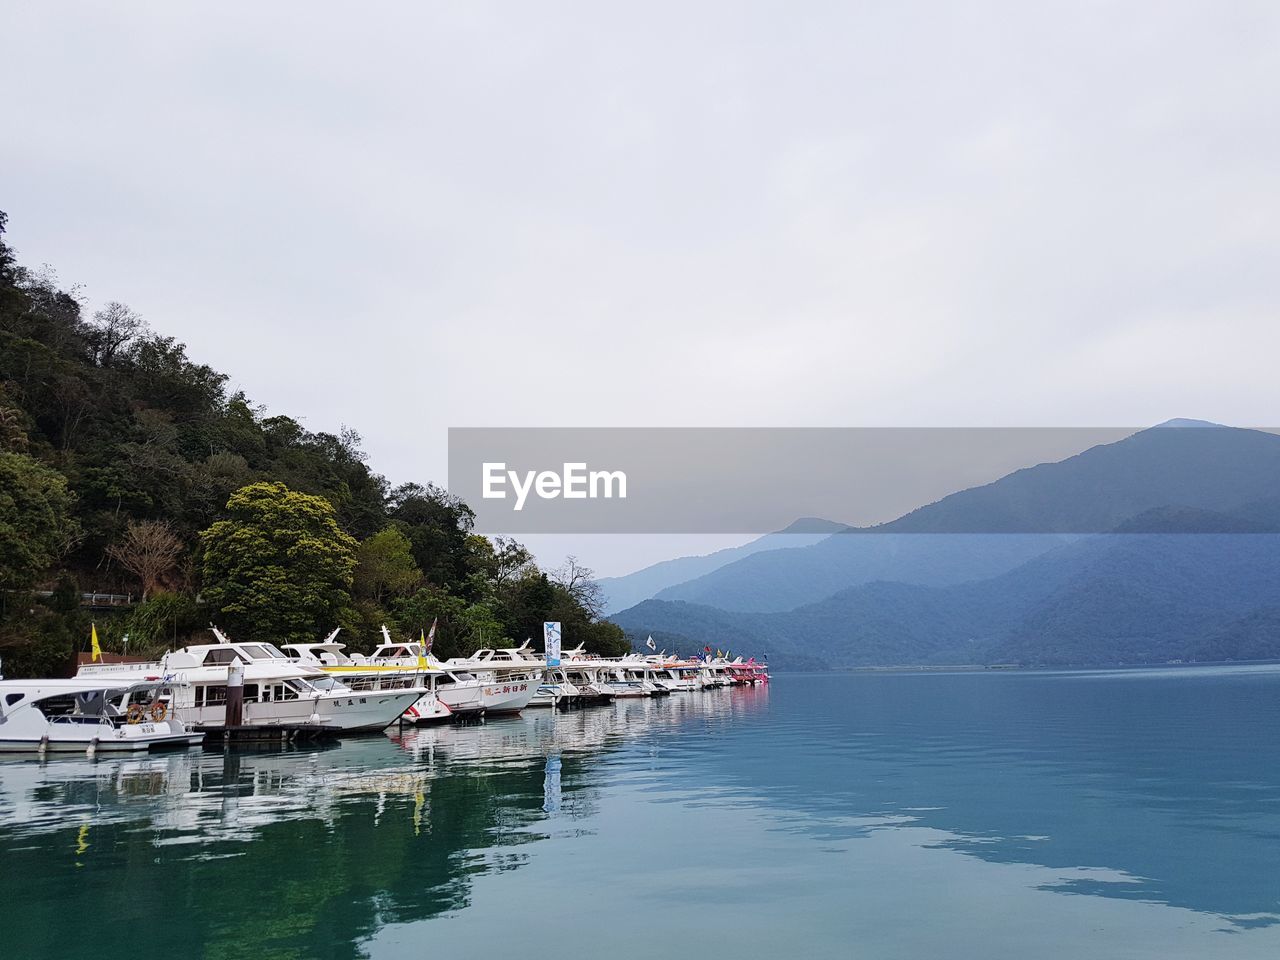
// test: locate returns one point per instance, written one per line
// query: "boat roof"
(62, 686)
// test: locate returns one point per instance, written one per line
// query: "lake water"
(986, 815)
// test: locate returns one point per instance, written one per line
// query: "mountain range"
(1164, 545)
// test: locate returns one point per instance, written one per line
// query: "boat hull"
(352, 712)
(429, 709)
(102, 738)
(507, 697)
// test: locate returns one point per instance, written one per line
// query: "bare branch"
(149, 549)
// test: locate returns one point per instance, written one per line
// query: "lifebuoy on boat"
(159, 710)
(134, 713)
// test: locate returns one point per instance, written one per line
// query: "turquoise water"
(1118, 814)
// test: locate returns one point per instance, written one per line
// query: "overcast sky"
(408, 217)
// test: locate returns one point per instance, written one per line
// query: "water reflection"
(858, 804)
(310, 850)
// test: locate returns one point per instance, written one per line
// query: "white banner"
(551, 642)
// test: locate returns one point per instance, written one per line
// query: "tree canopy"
(278, 564)
(35, 520)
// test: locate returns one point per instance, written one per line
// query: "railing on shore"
(98, 599)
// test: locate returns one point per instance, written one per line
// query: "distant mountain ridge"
(625, 591)
(776, 580)
(1191, 567)
(1182, 463)
(1140, 481)
(1120, 598)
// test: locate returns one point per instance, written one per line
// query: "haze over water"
(1098, 814)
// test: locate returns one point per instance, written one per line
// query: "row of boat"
(210, 688)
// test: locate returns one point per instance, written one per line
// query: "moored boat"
(276, 689)
(89, 715)
(363, 675)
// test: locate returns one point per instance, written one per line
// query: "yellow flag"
(93, 643)
(422, 646)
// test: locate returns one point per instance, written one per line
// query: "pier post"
(235, 695)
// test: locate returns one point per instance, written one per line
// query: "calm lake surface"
(1102, 814)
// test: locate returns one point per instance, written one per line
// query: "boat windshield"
(329, 685)
(220, 655)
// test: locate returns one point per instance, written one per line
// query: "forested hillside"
(128, 467)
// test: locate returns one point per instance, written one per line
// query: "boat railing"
(96, 669)
(82, 718)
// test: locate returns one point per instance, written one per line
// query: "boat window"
(273, 651)
(58, 706)
(250, 693)
(213, 696)
(292, 689)
(326, 683)
(13, 698)
(221, 655)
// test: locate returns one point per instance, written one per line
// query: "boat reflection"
(311, 849)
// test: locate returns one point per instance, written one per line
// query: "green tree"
(35, 519)
(437, 526)
(385, 566)
(461, 627)
(278, 566)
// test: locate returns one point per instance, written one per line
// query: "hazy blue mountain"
(1214, 468)
(1182, 476)
(1120, 598)
(626, 591)
(1191, 570)
(782, 579)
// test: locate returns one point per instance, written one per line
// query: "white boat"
(555, 690)
(591, 678)
(676, 676)
(363, 675)
(511, 676)
(493, 685)
(277, 690)
(632, 676)
(88, 715)
(462, 695)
